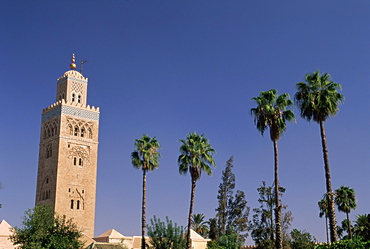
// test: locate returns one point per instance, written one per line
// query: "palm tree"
(271, 113)
(362, 226)
(345, 198)
(145, 157)
(199, 225)
(318, 99)
(323, 206)
(196, 155)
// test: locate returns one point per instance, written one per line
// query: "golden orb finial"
(73, 65)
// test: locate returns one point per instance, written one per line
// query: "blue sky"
(167, 68)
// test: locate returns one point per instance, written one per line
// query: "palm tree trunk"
(349, 226)
(143, 212)
(193, 185)
(326, 226)
(330, 193)
(279, 237)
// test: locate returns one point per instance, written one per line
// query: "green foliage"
(165, 235)
(345, 198)
(196, 155)
(271, 112)
(199, 225)
(215, 244)
(232, 211)
(355, 243)
(230, 241)
(302, 240)
(213, 229)
(146, 155)
(225, 193)
(317, 97)
(362, 226)
(43, 228)
(262, 225)
(238, 213)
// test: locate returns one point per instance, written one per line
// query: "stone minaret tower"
(66, 177)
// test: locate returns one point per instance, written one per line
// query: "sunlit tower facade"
(68, 152)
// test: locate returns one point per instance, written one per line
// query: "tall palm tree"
(196, 155)
(323, 206)
(345, 198)
(271, 113)
(199, 225)
(145, 157)
(318, 99)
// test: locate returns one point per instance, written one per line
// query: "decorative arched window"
(76, 131)
(54, 129)
(78, 204)
(70, 129)
(79, 99)
(73, 97)
(74, 161)
(80, 162)
(72, 202)
(90, 133)
(82, 132)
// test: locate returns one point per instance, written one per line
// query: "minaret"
(68, 152)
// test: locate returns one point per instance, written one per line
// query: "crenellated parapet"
(73, 104)
(72, 74)
(70, 108)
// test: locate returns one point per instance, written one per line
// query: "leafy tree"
(199, 225)
(213, 229)
(362, 226)
(226, 241)
(225, 193)
(232, 211)
(196, 155)
(145, 157)
(318, 99)
(345, 198)
(323, 206)
(354, 243)
(287, 219)
(343, 228)
(302, 240)
(271, 113)
(44, 229)
(214, 244)
(237, 220)
(230, 241)
(263, 225)
(165, 235)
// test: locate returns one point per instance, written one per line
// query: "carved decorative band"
(69, 110)
(71, 78)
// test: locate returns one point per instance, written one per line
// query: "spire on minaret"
(73, 65)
